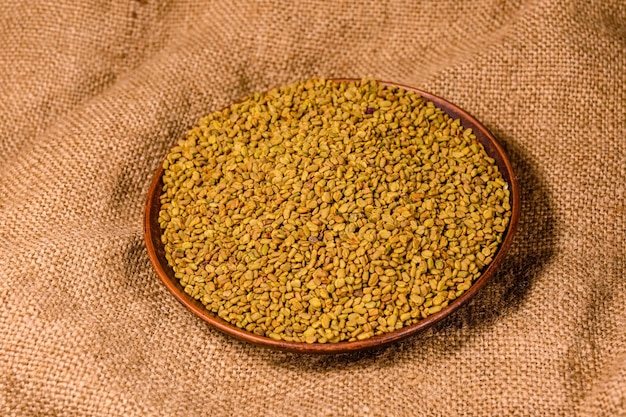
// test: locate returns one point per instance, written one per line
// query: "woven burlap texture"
(93, 94)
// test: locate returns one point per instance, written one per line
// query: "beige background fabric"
(92, 94)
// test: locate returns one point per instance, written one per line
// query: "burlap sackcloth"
(93, 94)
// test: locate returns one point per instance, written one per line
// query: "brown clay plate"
(156, 252)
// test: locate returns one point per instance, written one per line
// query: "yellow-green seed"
(315, 303)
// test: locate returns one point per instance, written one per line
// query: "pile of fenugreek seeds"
(328, 211)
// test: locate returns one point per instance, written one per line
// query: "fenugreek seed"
(417, 299)
(438, 299)
(359, 309)
(363, 336)
(325, 321)
(315, 303)
(312, 226)
(405, 317)
(434, 309)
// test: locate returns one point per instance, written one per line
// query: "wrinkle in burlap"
(92, 94)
